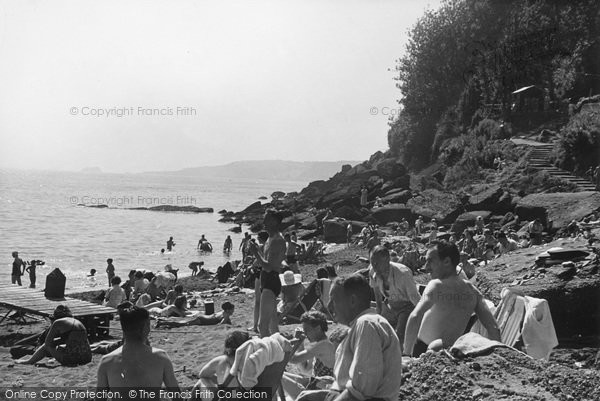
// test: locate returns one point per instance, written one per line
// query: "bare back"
(454, 301)
(138, 366)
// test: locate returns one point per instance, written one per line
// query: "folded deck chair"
(305, 302)
(271, 376)
(509, 316)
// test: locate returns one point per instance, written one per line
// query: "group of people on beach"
(385, 313)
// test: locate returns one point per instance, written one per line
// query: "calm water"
(40, 219)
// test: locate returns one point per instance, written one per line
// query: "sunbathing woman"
(75, 348)
(320, 353)
(178, 309)
(222, 317)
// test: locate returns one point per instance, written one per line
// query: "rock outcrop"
(558, 208)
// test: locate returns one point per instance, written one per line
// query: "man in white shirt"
(368, 362)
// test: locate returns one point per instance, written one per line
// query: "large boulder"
(391, 213)
(397, 196)
(443, 206)
(294, 219)
(309, 222)
(334, 230)
(317, 188)
(253, 208)
(489, 198)
(468, 220)
(558, 208)
(574, 301)
(390, 169)
(347, 212)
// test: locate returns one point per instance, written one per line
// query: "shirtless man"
(228, 244)
(270, 260)
(17, 269)
(442, 314)
(170, 244)
(136, 364)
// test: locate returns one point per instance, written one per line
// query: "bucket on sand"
(209, 307)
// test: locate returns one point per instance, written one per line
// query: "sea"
(40, 218)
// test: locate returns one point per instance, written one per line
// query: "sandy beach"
(501, 374)
(188, 347)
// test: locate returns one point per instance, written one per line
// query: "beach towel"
(473, 344)
(253, 356)
(539, 336)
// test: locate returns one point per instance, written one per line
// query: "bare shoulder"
(403, 268)
(160, 354)
(433, 285)
(472, 287)
(112, 357)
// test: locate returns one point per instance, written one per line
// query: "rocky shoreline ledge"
(160, 208)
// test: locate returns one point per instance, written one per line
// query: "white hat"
(289, 278)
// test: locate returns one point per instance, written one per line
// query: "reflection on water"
(41, 220)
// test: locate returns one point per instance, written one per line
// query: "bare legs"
(37, 356)
(257, 296)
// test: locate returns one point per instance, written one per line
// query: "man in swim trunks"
(256, 267)
(228, 244)
(136, 364)
(442, 314)
(244, 245)
(270, 260)
(170, 244)
(18, 269)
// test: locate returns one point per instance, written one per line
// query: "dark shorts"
(290, 259)
(270, 281)
(419, 348)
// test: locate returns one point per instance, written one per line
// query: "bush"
(578, 146)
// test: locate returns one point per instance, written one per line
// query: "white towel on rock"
(539, 336)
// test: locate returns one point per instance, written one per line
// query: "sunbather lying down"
(222, 317)
(105, 347)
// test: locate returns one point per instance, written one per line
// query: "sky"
(132, 86)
